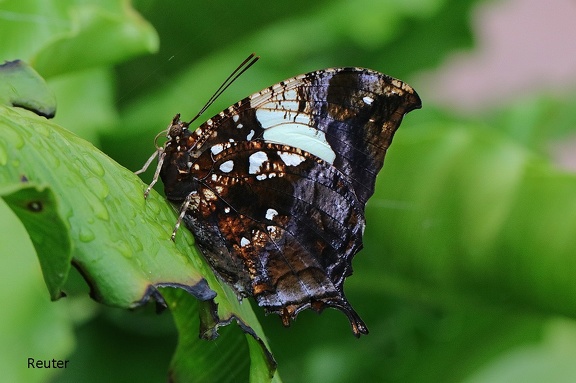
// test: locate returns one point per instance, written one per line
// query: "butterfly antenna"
(250, 60)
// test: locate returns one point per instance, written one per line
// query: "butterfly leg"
(147, 164)
(160, 154)
(183, 209)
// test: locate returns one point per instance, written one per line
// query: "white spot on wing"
(272, 117)
(290, 95)
(244, 242)
(216, 149)
(397, 83)
(256, 161)
(368, 100)
(282, 123)
(235, 117)
(291, 159)
(271, 213)
(226, 167)
(303, 137)
(250, 135)
(209, 195)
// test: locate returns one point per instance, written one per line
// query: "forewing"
(346, 116)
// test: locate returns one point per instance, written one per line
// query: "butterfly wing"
(277, 184)
(346, 116)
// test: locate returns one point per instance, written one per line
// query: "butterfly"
(274, 187)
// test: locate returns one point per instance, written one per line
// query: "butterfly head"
(176, 158)
(176, 132)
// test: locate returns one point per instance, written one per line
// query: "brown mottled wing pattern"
(275, 186)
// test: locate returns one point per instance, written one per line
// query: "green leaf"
(21, 86)
(196, 361)
(112, 30)
(31, 326)
(52, 36)
(102, 202)
(192, 363)
(38, 211)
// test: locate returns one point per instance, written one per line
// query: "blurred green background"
(468, 269)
